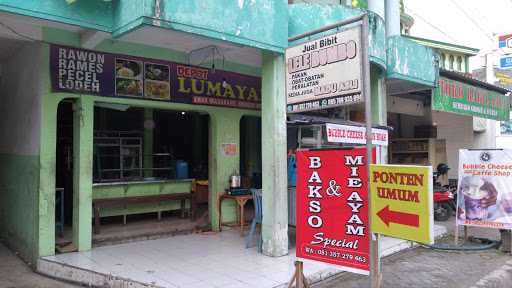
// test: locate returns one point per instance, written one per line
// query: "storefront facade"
(165, 34)
(460, 113)
(28, 221)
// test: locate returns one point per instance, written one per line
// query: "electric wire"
(490, 36)
(429, 23)
(472, 20)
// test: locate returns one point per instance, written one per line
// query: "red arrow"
(387, 216)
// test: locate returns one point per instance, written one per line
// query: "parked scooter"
(444, 197)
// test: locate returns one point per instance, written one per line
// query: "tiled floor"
(198, 260)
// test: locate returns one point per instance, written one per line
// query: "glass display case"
(118, 156)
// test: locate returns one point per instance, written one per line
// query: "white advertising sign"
(354, 134)
(484, 196)
(505, 43)
(324, 73)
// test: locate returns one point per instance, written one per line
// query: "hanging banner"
(324, 73)
(75, 70)
(461, 98)
(402, 202)
(484, 196)
(332, 208)
(337, 133)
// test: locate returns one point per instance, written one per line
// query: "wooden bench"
(97, 204)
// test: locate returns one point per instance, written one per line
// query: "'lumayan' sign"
(97, 73)
(461, 98)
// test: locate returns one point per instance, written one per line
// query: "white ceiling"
(8, 47)
(28, 26)
(16, 30)
(184, 42)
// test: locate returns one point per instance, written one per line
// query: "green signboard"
(461, 98)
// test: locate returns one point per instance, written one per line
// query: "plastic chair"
(258, 215)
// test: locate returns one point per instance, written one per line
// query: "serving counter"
(127, 189)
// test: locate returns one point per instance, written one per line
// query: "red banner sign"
(332, 208)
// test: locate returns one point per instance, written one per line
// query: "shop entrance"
(146, 164)
(250, 151)
(64, 177)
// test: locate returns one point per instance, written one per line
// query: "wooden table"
(240, 200)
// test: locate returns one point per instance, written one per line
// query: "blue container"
(292, 171)
(181, 169)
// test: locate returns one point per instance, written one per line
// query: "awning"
(299, 120)
(460, 94)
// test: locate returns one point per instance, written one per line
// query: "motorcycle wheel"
(442, 212)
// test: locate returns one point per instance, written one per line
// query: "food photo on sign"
(485, 188)
(332, 208)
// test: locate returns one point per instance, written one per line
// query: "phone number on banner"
(326, 253)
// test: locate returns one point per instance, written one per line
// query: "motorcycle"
(444, 196)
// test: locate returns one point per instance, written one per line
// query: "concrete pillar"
(378, 7)
(147, 149)
(378, 94)
(46, 225)
(83, 117)
(379, 104)
(224, 129)
(392, 18)
(275, 193)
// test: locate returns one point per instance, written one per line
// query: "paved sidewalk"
(14, 273)
(424, 267)
(197, 260)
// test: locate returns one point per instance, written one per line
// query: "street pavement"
(14, 273)
(418, 268)
(427, 268)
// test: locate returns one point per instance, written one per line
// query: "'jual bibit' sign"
(324, 73)
(332, 208)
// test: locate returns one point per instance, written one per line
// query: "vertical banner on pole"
(332, 208)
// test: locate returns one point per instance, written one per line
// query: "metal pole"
(374, 248)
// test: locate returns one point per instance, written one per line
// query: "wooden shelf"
(433, 151)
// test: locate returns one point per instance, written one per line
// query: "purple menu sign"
(90, 72)
(81, 71)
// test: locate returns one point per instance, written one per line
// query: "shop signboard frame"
(484, 197)
(363, 20)
(332, 210)
(506, 61)
(505, 43)
(349, 134)
(90, 72)
(461, 98)
(313, 77)
(402, 202)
